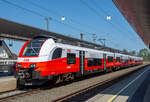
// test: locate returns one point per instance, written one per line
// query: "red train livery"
(42, 59)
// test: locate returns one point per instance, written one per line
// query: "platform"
(7, 83)
(134, 88)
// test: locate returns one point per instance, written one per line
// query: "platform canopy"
(17, 31)
(137, 13)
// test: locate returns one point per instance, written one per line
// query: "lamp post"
(47, 23)
(49, 18)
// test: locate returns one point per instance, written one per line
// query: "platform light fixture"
(108, 17)
(63, 18)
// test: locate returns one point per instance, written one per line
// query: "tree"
(145, 54)
(124, 51)
(133, 53)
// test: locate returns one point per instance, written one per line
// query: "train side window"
(90, 62)
(57, 53)
(99, 63)
(94, 62)
(110, 59)
(124, 61)
(117, 59)
(127, 61)
(71, 58)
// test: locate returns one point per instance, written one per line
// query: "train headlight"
(19, 65)
(32, 65)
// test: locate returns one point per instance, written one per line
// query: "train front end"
(32, 61)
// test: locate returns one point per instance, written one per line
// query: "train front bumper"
(29, 73)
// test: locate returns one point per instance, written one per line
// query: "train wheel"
(110, 69)
(106, 71)
(114, 69)
(66, 76)
(58, 79)
(72, 76)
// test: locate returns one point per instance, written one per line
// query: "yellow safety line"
(110, 100)
(113, 97)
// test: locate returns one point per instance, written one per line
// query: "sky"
(81, 16)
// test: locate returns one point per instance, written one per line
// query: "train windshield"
(33, 47)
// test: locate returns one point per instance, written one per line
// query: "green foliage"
(124, 51)
(145, 53)
(133, 53)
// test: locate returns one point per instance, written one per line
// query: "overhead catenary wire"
(38, 14)
(59, 14)
(23, 8)
(95, 11)
(105, 12)
(43, 16)
(99, 15)
(92, 9)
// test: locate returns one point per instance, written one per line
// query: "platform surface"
(134, 88)
(7, 83)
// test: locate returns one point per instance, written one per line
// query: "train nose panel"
(25, 65)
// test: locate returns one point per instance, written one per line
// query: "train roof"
(80, 48)
(89, 49)
(44, 36)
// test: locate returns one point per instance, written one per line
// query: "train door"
(82, 61)
(104, 57)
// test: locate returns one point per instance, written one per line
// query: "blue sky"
(82, 16)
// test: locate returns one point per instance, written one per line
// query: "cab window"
(33, 47)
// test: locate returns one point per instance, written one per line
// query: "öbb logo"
(26, 60)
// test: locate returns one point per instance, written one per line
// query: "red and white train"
(42, 59)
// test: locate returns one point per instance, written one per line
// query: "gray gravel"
(51, 94)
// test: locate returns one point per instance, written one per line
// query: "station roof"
(137, 13)
(20, 31)
(17, 31)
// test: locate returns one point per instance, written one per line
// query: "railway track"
(4, 96)
(8, 91)
(14, 94)
(102, 85)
